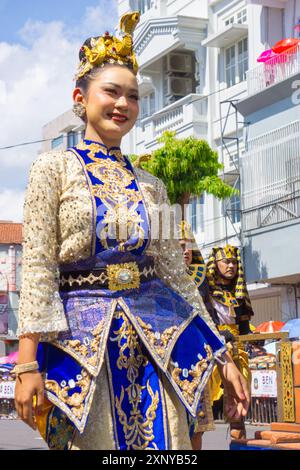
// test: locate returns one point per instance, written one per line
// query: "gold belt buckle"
(123, 276)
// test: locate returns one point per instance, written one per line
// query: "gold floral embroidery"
(75, 401)
(138, 429)
(121, 219)
(92, 148)
(189, 387)
(78, 348)
(159, 341)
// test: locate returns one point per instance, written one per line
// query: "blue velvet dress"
(143, 333)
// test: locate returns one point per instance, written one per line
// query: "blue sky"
(39, 45)
(15, 13)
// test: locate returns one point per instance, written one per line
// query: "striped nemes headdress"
(239, 292)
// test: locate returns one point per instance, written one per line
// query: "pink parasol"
(266, 55)
(12, 358)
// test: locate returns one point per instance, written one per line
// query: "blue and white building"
(199, 76)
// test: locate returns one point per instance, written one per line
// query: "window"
(230, 66)
(144, 5)
(236, 62)
(148, 105)
(57, 141)
(152, 103)
(197, 213)
(229, 21)
(238, 18)
(72, 139)
(243, 59)
(241, 17)
(234, 207)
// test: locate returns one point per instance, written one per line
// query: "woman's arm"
(28, 384)
(28, 345)
(40, 306)
(236, 389)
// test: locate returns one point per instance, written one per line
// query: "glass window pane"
(56, 142)
(144, 110)
(230, 65)
(152, 103)
(235, 207)
(200, 220)
(197, 213)
(243, 58)
(72, 139)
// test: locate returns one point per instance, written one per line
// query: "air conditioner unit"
(178, 86)
(179, 63)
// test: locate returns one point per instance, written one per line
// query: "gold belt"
(113, 276)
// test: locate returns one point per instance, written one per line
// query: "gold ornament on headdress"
(228, 252)
(109, 49)
(185, 231)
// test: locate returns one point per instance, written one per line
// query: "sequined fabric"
(58, 229)
(62, 219)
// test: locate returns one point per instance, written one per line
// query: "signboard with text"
(264, 383)
(7, 389)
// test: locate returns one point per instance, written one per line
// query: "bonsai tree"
(187, 167)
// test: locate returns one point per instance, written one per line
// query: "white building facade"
(10, 279)
(196, 60)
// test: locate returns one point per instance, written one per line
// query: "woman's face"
(187, 251)
(111, 104)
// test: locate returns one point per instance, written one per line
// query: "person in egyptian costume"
(232, 311)
(125, 345)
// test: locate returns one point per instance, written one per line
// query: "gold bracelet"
(27, 367)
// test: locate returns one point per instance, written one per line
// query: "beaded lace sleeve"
(40, 308)
(171, 269)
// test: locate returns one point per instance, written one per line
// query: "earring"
(79, 110)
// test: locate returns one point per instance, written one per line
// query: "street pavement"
(16, 435)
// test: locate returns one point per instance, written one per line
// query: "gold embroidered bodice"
(58, 214)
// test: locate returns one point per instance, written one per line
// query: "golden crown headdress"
(99, 50)
(226, 252)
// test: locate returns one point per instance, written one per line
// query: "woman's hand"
(236, 391)
(28, 385)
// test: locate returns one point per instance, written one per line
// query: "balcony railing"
(186, 112)
(274, 70)
(271, 178)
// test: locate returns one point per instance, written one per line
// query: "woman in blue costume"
(116, 346)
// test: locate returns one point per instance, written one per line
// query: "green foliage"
(187, 166)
